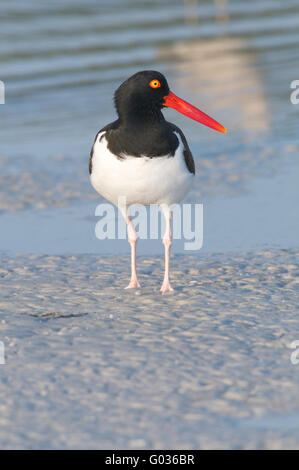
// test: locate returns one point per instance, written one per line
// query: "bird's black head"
(140, 98)
(139, 101)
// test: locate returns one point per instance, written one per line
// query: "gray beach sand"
(91, 365)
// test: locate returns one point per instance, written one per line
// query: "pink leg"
(132, 238)
(167, 242)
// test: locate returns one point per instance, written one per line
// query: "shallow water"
(62, 62)
(208, 366)
(255, 220)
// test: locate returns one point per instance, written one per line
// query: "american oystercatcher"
(142, 159)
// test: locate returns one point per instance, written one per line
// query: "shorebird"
(143, 159)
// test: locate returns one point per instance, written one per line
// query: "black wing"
(189, 160)
(112, 125)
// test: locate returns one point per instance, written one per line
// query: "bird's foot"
(166, 287)
(133, 284)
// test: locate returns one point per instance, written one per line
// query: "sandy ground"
(90, 365)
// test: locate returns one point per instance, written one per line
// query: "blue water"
(263, 218)
(61, 63)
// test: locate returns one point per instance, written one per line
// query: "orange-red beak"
(173, 101)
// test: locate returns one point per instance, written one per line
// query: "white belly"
(140, 180)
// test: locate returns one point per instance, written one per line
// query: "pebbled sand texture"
(91, 365)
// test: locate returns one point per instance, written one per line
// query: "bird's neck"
(141, 116)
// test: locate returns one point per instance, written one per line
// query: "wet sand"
(61, 180)
(91, 365)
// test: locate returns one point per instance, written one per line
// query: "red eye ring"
(155, 83)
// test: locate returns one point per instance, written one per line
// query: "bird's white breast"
(141, 180)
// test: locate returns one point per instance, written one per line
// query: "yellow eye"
(155, 83)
